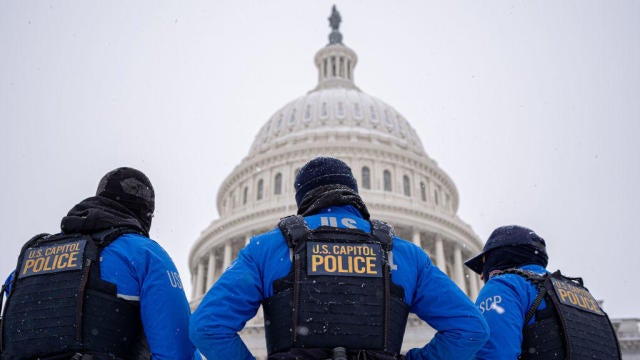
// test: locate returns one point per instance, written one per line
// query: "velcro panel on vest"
(588, 331)
(340, 310)
(43, 308)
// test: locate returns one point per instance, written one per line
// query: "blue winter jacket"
(143, 272)
(504, 301)
(236, 296)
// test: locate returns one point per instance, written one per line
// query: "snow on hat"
(132, 189)
(323, 171)
(511, 235)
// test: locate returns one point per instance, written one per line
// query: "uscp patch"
(571, 294)
(362, 260)
(49, 259)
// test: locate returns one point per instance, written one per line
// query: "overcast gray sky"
(532, 108)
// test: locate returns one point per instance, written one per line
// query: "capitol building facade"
(397, 180)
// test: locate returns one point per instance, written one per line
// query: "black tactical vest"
(339, 292)
(572, 326)
(58, 306)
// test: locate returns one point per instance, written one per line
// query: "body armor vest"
(58, 306)
(572, 326)
(339, 292)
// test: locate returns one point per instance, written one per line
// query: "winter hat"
(323, 171)
(132, 189)
(512, 235)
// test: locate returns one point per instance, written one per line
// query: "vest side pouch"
(398, 317)
(110, 325)
(543, 340)
(277, 321)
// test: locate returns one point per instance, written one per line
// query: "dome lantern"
(335, 62)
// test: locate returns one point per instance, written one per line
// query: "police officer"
(100, 289)
(331, 281)
(532, 313)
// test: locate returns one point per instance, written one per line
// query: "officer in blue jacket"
(100, 289)
(334, 284)
(532, 313)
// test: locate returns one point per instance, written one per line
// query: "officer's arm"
(461, 330)
(230, 303)
(7, 284)
(163, 307)
(502, 306)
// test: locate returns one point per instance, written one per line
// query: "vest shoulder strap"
(294, 229)
(542, 292)
(558, 275)
(34, 240)
(539, 281)
(532, 277)
(104, 238)
(383, 232)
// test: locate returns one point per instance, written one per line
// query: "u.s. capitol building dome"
(398, 181)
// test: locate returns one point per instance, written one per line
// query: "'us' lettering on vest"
(52, 258)
(363, 260)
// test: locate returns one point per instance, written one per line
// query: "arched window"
(387, 119)
(356, 111)
(324, 113)
(386, 176)
(423, 191)
(400, 125)
(245, 192)
(307, 113)
(366, 178)
(406, 185)
(340, 110)
(372, 112)
(260, 191)
(435, 197)
(277, 184)
(292, 118)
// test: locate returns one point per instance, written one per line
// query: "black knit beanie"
(132, 189)
(323, 171)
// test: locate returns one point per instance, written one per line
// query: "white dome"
(337, 109)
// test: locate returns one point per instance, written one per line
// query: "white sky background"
(532, 108)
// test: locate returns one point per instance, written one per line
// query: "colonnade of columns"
(458, 274)
(205, 276)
